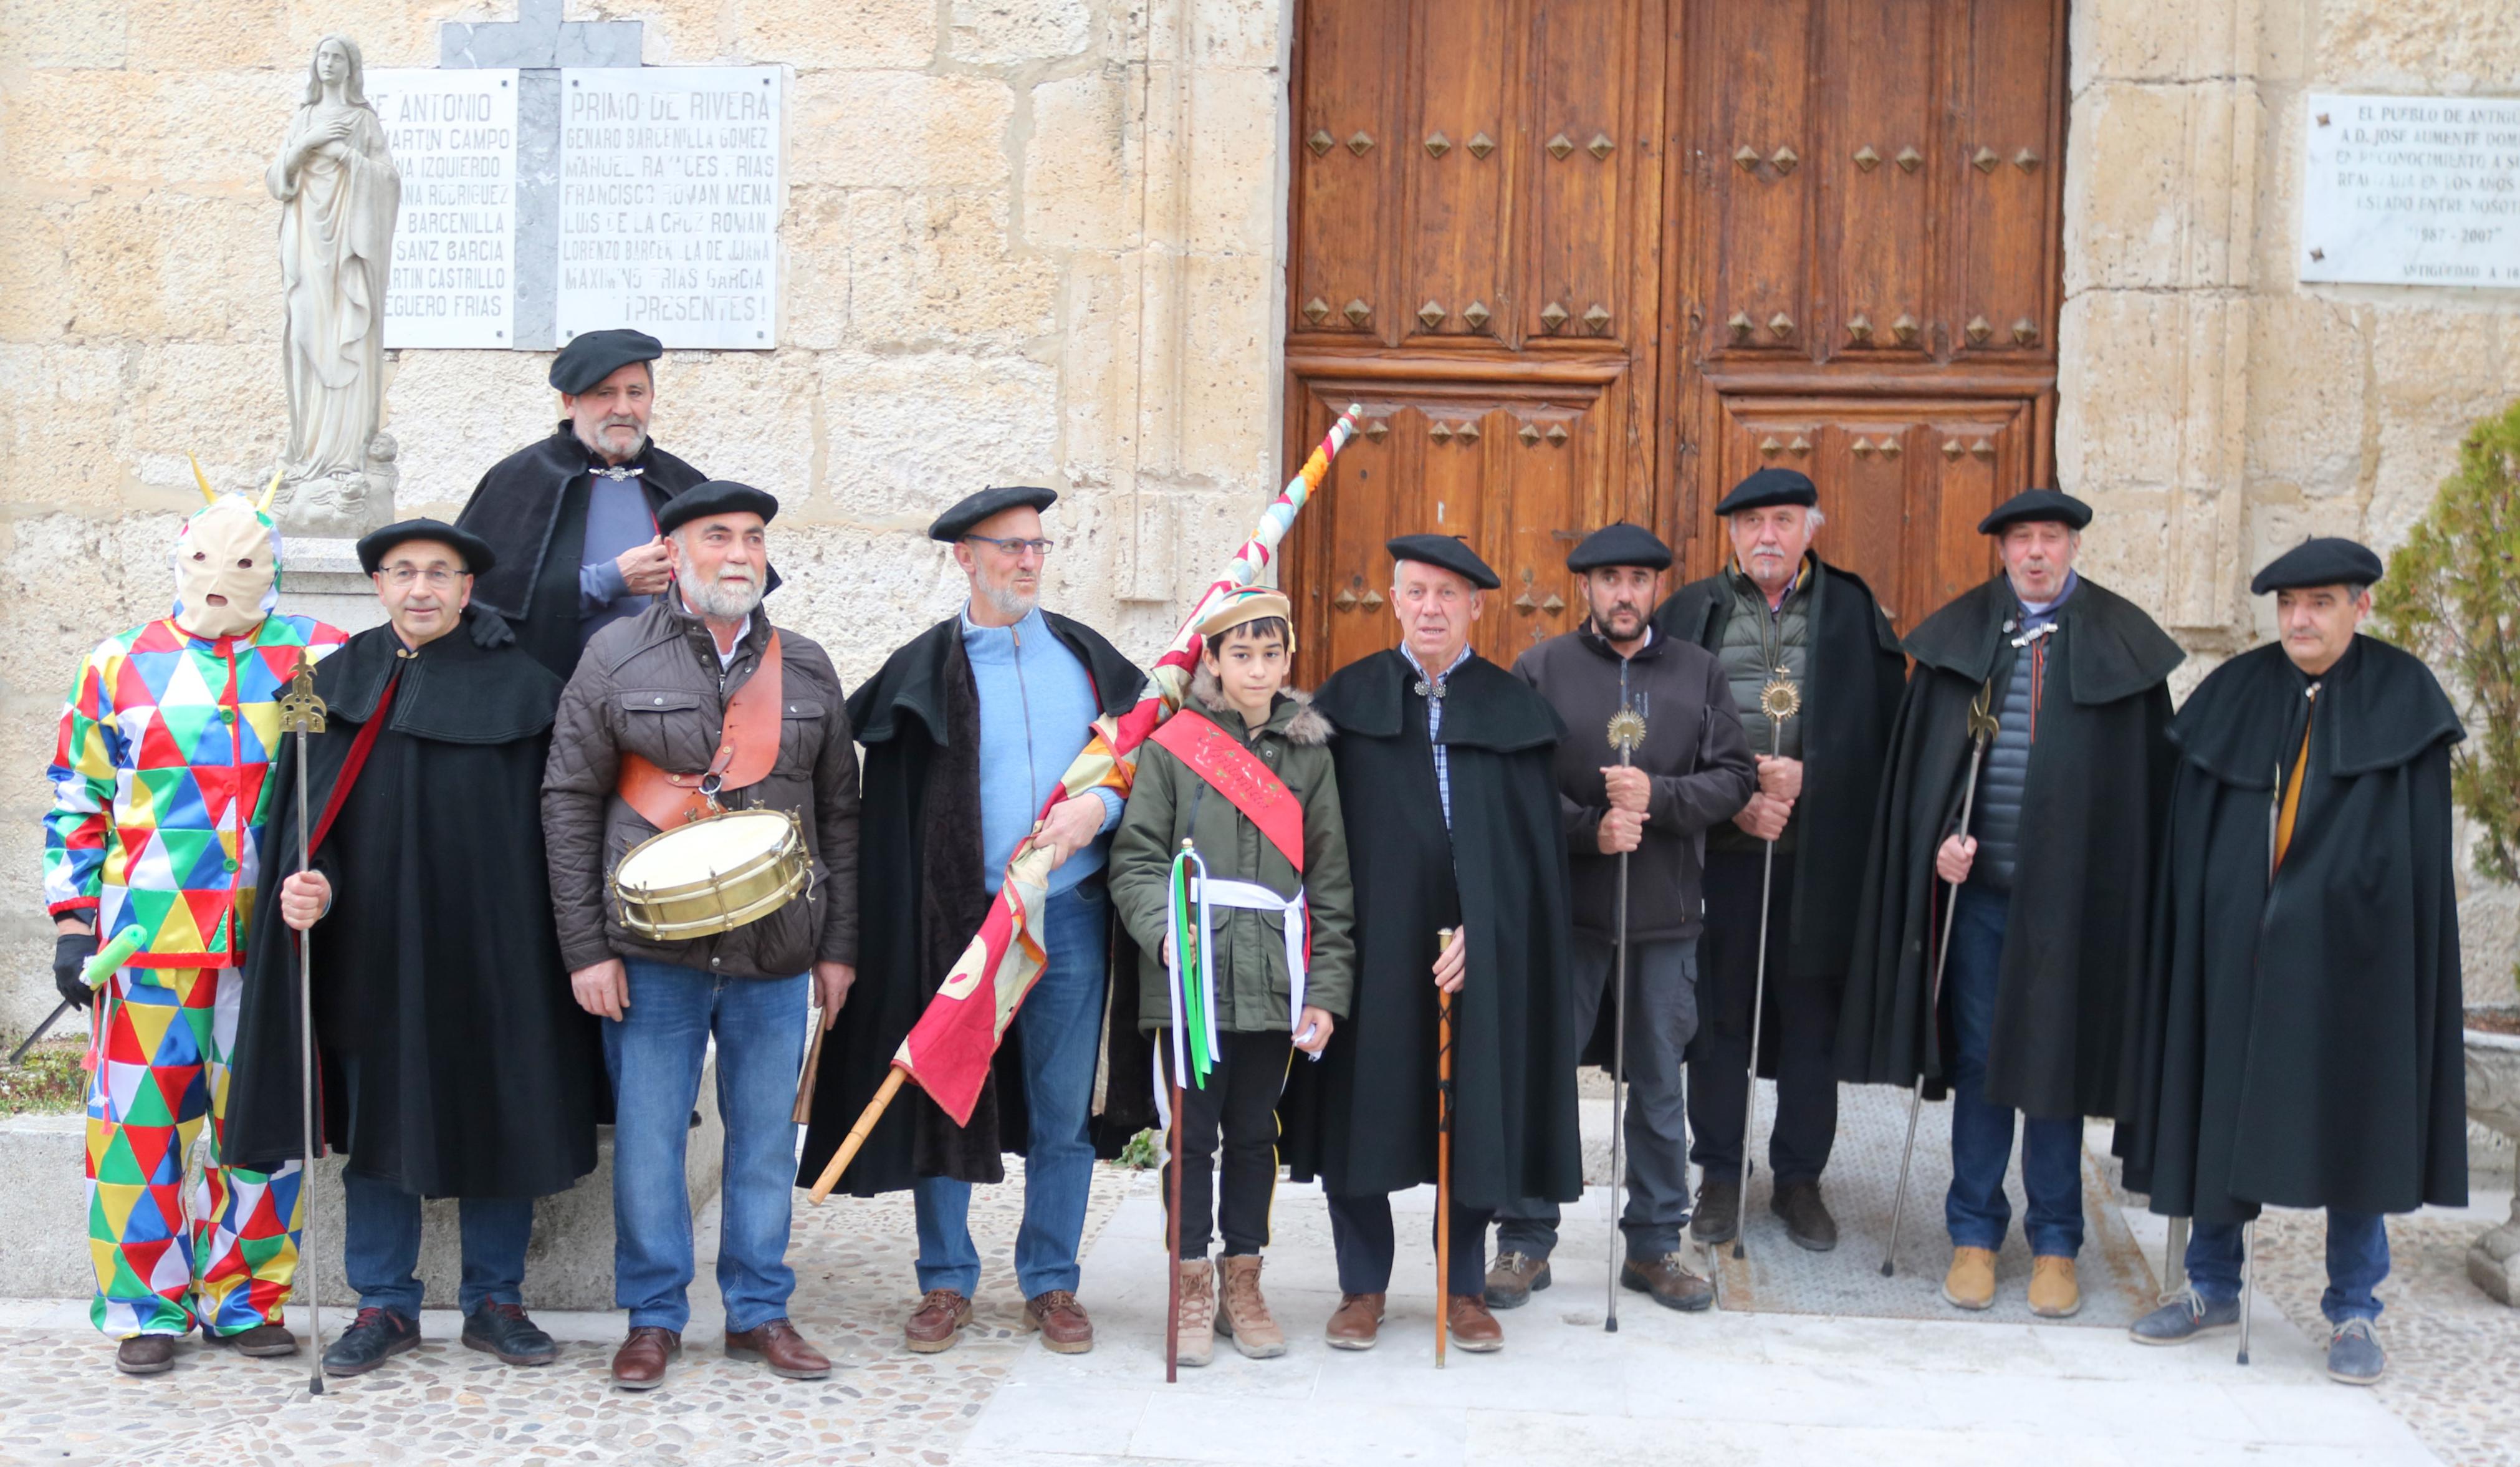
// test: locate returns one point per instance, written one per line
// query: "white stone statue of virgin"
(338, 193)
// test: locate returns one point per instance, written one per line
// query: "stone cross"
(538, 43)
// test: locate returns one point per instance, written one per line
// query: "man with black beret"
(455, 1063)
(2047, 886)
(968, 730)
(700, 691)
(1690, 773)
(572, 519)
(2297, 1042)
(1780, 617)
(1453, 821)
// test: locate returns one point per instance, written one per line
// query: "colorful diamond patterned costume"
(159, 801)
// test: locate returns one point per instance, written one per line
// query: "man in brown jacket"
(660, 688)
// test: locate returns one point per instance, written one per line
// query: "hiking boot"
(1719, 1207)
(375, 1337)
(1471, 1326)
(1356, 1323)
(145, 1354)
(2053, 1292)
(1515, 1277)
(1970, 1285)
(1806, 1218)
(776, 1343)
(640, 1363)
(1244, 1316)
(503, 1330)
(1670, 1281)
(936, 1325)
(2184, 1316)
(2354, 1353)
(1064, 1328)
(261, 1342)
(1197, 1317)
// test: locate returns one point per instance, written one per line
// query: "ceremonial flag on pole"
(948, 1051)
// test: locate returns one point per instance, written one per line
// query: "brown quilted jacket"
(649, 685)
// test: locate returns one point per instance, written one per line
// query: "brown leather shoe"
(1474, 1327)
(777, 1344)
(936, 1325)
(145, 1354)
(1357, 1322)
(640, 1363)
(1065, 1329)
(1670, 1280)
(260, 1342)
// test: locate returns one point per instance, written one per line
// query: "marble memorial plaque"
(2412, 190)
(669, 203)
(454, 139)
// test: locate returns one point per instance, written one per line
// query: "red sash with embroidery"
(1228, 767)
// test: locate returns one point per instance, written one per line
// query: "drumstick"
(804, 1112)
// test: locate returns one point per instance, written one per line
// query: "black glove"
(71, 952)
(490, 630)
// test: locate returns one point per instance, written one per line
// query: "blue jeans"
(380, 1246)
(1976, 1209)
(1060, 1030)
(2357, 1259)
(654, 1053)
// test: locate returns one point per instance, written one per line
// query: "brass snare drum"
(713, 875)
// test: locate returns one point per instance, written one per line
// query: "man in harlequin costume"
(161, 785)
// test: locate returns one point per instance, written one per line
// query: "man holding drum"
(693, 706)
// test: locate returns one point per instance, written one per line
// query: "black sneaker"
(503, 1330)
(375, 1337)
(1806, 1218)
(1718, 1214)
(1515, 1277)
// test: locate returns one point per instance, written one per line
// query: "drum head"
(693, 852)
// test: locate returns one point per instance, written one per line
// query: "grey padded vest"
(1997, 823)
(1750, 634)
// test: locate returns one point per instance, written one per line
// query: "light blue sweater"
(1037, 710)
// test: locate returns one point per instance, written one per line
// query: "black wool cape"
(456, 1062)
(2298, 1042)
(530, 507)
(1362, 1120)
(2074, 944)
(921, 894)
(1850, 700)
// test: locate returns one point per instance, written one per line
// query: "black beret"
(1445, 553)
(1620, 544)
(718, 496)
(2037, 504)
(376, 545)
(1770, 487)
(957, 522)
(595, 356)
(2325, 561)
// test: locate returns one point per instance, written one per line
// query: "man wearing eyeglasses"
(967, 729)
(455, 1063)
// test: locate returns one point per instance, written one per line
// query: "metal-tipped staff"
(1443, 1156)
(1780, 700)
(2173, 1259)
(2248, 1282)
(38, 1031)
(1627, 732)
(302, 713)
(1982, 725)
(1191, 974)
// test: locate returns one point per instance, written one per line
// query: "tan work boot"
(1197, 1313)
(1971, 1282)
(1244, 1315)
(2053, 1292)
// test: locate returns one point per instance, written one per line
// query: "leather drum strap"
(747, 747)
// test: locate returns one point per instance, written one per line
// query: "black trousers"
(1360, 1235)
(1800, 1027)
(1240, 1099)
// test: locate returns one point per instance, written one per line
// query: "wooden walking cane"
(803, 1114)
(302, 713)
(1443, 1157)
(1172, 1238)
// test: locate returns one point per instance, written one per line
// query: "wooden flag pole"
(848, 1151)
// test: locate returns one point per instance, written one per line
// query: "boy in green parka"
(1242, 772)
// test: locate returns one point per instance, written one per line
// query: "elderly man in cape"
(572, 520)
(1780, 614)
(1453, 820)
(2299, 1035)
(455, 1062)
(2048, 881)
(967, 729)
(162, 790)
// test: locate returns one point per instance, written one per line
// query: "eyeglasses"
(438, 578)
(1016, 547)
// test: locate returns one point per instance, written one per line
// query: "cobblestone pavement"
(63, 1403)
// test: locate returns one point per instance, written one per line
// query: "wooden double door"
(1583, 260)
